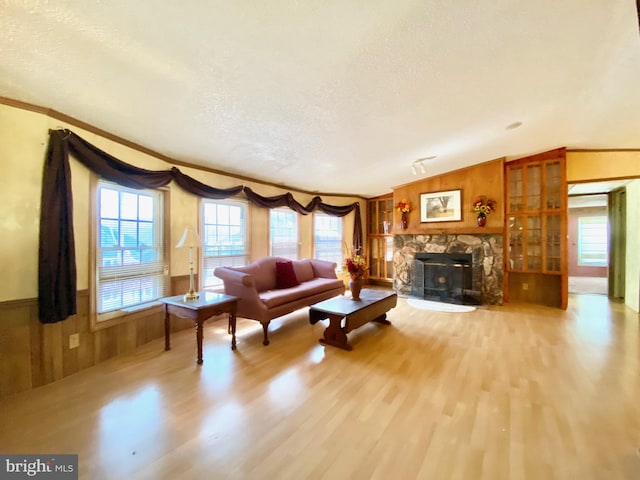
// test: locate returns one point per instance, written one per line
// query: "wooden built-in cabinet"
(536, 230)
(380, 239)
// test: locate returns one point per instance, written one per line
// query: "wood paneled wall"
(483, 179)
(34, 354)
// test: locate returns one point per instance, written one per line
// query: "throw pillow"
(285, 275)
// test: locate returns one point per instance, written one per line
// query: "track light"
(418, 165)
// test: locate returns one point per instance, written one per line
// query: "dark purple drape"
(114, 170)
(57, 259)
(57, 253)
(200, 189)
(287, 200)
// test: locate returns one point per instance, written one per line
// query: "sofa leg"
(264, 329)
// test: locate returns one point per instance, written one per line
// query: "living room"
(36, 354)
(122, 371)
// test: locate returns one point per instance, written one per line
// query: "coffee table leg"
(382, 319)
(334, 334)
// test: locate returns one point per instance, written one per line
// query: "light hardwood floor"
(512, 392)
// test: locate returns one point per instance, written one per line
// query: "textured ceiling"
(333, 96)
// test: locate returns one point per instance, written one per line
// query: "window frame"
(100, 321)
(247, 237)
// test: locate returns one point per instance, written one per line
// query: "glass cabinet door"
(533, 187)
(374, 258)
(553, 185)
(515, 189)
(388, 257)
(381, 257)
(380, 213)
(534, 243)
(553, 242)
(516, 248)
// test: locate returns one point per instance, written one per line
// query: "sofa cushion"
(274, 298)
(304, 270)
(286, 275)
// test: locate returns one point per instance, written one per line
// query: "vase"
(482, 219)
(355, 285)
(404, 221)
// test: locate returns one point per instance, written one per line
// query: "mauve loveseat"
(274, 286)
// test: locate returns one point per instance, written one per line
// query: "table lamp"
(190, 239)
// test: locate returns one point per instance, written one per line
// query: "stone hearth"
(486, 252)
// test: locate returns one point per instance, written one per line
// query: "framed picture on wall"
(441, 206)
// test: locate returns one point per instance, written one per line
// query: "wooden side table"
(199, 310)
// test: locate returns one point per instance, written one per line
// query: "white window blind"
(283, 233)
(327, 238)
(593, 249)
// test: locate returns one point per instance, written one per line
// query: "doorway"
(588, 254)
(596, 239)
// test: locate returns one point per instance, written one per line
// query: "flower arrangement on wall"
(404, 206)
(483, 206)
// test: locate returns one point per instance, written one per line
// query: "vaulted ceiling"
(335, 96)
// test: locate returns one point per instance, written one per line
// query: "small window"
(283, 233)
(131, 268)
(593, 250)
(224, 239)
(327, 238)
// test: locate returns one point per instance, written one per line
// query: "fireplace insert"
(444, 277)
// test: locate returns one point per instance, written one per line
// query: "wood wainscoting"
(33, 354)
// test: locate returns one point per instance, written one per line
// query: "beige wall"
(632, 268)
(603, 165)
(22, 139)
(23, 142)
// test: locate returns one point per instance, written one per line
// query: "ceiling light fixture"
(418, 165)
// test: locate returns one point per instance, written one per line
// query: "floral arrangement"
(484, 205)
(404, 206)
(355, 265)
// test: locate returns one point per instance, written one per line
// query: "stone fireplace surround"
(486, 251)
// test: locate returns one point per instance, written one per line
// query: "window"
(130, 255)
(224, 239)
(283, 233)
(593, 241)
(327, 238)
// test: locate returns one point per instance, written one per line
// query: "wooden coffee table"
(372, 307)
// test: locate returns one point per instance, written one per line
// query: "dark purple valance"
(57, 259)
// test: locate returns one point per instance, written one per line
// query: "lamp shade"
(189, 239)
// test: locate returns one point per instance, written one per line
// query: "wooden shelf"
(451, 231)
